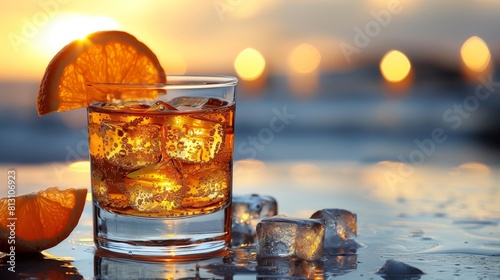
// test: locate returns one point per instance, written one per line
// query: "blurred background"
(348, 81)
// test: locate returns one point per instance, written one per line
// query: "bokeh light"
(395, 66)
(249, 64)
(249, 166)
(475, 54)
(304, 58)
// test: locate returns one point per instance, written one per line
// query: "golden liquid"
(161, 164)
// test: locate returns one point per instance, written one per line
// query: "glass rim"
(176, 82)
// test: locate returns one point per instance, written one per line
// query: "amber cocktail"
(162, 168)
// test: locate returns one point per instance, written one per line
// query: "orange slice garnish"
(42, 220)
(101, 57)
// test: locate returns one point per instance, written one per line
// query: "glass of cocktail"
(161, 169)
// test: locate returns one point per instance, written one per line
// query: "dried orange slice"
(101, 57)
(42, 220)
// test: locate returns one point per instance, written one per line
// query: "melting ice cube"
(214, 103)
(192, 139)
(155, 188)
(129, 105)
(161, 106)
(186, 103)
(248, 211)
(131, 146)
(341, 228)
(280, 236)
(207, 184)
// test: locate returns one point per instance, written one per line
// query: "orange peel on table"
(41, 220)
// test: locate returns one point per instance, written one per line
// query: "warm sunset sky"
(202, 36)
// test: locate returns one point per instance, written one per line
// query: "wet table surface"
(443, 220)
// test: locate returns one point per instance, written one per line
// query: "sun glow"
(68, 27)
(174, 63)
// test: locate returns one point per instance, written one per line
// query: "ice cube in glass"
(192, 139)
(131, 145)
(155, 189)
(208, 185)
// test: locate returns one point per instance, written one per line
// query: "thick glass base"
(185, 237)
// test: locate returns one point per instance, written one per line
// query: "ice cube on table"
(130, 145)
(281, 236)
(192, 139)
(340, 228)
(156, 188)
(248, 211)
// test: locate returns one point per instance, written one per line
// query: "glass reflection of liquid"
(107, 266)
(241, 262)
